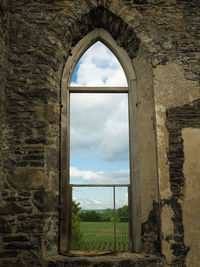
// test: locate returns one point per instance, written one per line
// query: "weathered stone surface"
(52, 158)
(178, 119)
(51, 113)
(13, 209)
(8, 254)
(36, 38)
(18, 238)
(32, 179)
(151, 232)
(147, 145)
(168, 231)
(30, 225)
(45, 201)
(121, 260)
(3, 59)
(19, 246)
(12, 263)
(103, 18)
(191, 200)
(4, 226)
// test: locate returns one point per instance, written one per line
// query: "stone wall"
(164, 35)
(4, 22)
(3, 43)
(3, 60)
(183, 194)
(190, 202)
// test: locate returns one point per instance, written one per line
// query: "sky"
(99, 145)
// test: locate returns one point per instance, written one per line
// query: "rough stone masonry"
(162, 39)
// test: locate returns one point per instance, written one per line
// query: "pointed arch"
(77, 51)
(82, 46)
(104, 68)
(102, 17)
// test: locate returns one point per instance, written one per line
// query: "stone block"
(51, 114)
(52, 158)
(18, 238)
(27, 179)
(45, 201)
(12, 208)
(12, 263)
(4, 226)
(19, 246)
(8, 254)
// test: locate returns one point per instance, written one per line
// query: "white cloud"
(114, 144)
(99, 122)
(99, 67)
(100, 177)
(95, 204)
(102, 128)
(100, 197)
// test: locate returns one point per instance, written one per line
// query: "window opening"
(99, 139)
(99, 154)
(75, 86)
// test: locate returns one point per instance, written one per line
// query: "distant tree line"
(106, 215)
(93, 216)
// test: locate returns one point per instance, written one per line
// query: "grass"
(100, 235)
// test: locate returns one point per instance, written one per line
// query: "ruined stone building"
(158, 44)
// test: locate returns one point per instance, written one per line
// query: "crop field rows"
(105, 245)
(100, 236)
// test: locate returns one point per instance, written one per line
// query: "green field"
(100, 236)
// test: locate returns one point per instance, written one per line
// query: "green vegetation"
(77, 235)
(90, 216)
(122, 214)
(100, 235)
(104, 215)
(94, 216)
(93, 230)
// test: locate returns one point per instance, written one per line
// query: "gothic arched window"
(89, 91)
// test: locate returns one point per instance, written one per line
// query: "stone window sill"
(125, 259)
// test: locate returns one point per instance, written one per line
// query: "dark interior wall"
(3, 39)
(39, 44)
(36, 55)
(40, 36)
(3, 62)
(4, 21)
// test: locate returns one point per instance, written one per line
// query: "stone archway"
(34, 99)
(101, 17)
(135, 206)
(125, 37)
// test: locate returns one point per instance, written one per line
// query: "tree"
(108, 212)
(122, 213)
(77, 235)
(105, 218)
(90, 216)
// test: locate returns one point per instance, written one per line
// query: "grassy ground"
(100, 235)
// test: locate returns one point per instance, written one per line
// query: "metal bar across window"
(100, 185)
(77, 89)
(114, 207)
